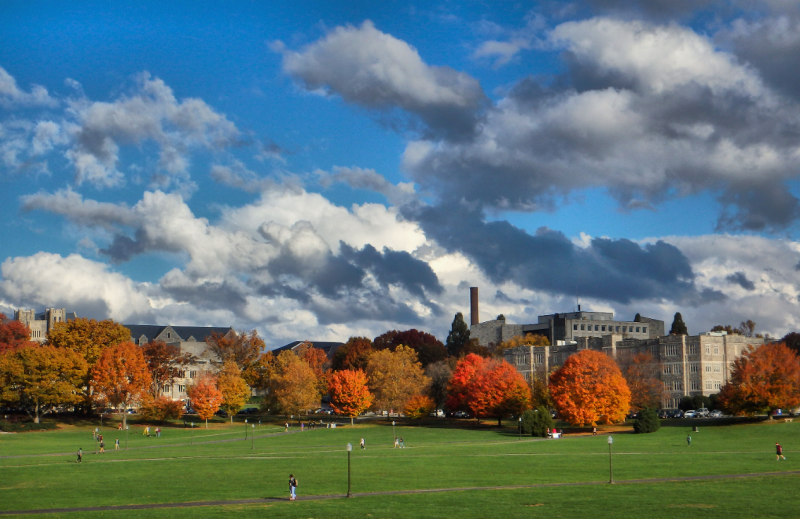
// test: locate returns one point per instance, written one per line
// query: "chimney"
(473, 306)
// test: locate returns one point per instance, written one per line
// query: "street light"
(394, 436)
(254, 437)
(520, 428)
(610, 466)
(127, 428)
(245, 429)
(349, 449)
(192, 432)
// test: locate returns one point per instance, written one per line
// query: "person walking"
(292, 487)
(396, 442)
(158, 432)
(779, 452)
(119, 427)
(80, 455)
(689, 440)
(402, 445)
(287, 427)
(102, 446)
(594, 430)
(116, 444)
(363, 444)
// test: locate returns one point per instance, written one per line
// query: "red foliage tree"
(353, 355)
(349, 393)
(762, 380)
(120, 376)
(13, 334)
(429, 349)
(165, 363)
(206, 397)
(487, 388)
(318, 361)
(589, 388)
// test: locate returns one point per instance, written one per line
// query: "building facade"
(40, 324)
(687, 365)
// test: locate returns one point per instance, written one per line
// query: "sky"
(325, 170)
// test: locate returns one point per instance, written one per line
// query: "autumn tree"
(394, 377)
(161, 408)
(429, 349)
(487, 388)
(205, 396)
(13, 334)
(642, 373)
(589, 388)
(294, 386)
(730, 330)
(540, 392)
(792, 341)
(439, 373)
(318, 361)
(353, 355)
(242, 348)
(419, 406)
(530, 339)
(259, 376)
(458, 338)
(349, 393)
(120, 376)
(165, 363)
(40, 378)
(762, 380)
(89, 338)
(678, 326)
(235, 391)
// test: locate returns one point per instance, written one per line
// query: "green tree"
(458, 338)
(537, 421)
(678, 326)
(647, 422)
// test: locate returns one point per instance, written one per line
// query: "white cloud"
(369, 179)
(11, 96)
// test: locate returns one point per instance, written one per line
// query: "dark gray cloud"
(739, 278)
(123, 248)
(765, 207)
(394, 268)
(615, 270)
(209, 295)
(502, 297)
(653, 9)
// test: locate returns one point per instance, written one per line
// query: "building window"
(637, 329)
(717, 384)
(192, 374)
(604, 328)
(574, 326)
(597, 327)
(708, 384)
(694, 367)
(708, 369)
(644, 329)
(624, 328)
(617, 329)
(693, 349)
(716, 350)
(169, 335)
(717, 368)
(182, 388)
(696, 385)
(671, 349)
(583, 327)
(166, 389)
(708, 349)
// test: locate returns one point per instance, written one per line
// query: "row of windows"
(168, 389)
(602, 328)
(674, 385)
(672, 369)
(713, 384)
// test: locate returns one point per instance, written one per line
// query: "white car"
(438, 413)
(689, 414)
(716, 413)
(701, 413)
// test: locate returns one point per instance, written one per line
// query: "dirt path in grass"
(264, 500)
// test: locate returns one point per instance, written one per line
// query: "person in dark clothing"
(292, 487)
(779, 452)
(80, 455)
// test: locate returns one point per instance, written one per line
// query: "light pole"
(393, 434)
(610, 466)
(349, 449)
(254, 437)
(245, 429)
(127, 428)
(520, 428)
(192, 432)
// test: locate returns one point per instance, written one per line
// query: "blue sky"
(330, 170)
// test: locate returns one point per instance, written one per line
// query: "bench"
(788, 420)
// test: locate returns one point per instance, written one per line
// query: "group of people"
(146, 431)
(398, 443)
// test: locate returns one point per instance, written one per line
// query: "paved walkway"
(151, 506)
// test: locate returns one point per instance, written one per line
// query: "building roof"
(328, 347)
(198, 333)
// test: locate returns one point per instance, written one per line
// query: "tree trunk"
(36, 418)
(125, 417)
(351, 420)
(206, 423)
(499, 421)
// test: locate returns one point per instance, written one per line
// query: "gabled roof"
(328, 347)
(151, 331)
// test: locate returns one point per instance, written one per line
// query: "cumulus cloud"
(369, 179)
(11, 96)
(71, 205)
(501, 51)
(239, 176)
(371, 68)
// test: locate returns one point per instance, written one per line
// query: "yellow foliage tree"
(235, 391)
(294, 386)
(518, 340)
(419, 406)
(394, 377)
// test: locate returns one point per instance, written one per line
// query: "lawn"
(170, 469)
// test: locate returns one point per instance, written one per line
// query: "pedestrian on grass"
(302, 426)
(116, 444)
(402, 445)
(102, 446)
(287, 427)
(292, 487)
(119, 427)
(396, 442)
(594, 430)
(779, 452)
(158, 432)
(689, 440)
(80, 455)
(363, 444)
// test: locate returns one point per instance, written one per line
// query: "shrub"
(162, 408)
(419, 406)
(26, 426)
(536, 422)
(647, 422)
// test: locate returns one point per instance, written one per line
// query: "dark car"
(677, 413)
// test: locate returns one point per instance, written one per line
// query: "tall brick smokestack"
(473, 306)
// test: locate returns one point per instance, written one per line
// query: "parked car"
(716, 413)
(438, 413)
(677, 414)
(689, 414)
(461, 414)
(664, 413)
(701, 413)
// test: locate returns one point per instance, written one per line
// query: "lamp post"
(192, 432)
(254, 437)
(349, 449)
(245, 429)
(393, 434)
(127, 428)
(610, 466)
(520, 428)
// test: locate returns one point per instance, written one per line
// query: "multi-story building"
(688, 365)
(40, 324)
(191, 340)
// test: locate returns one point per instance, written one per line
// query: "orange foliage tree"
(13, 334)
(590, 388)
(205, 396)
(762, 380)
(161, 408)
(165, 363)
(40, 378)
(394, 377)
(487, 388)
(349, 393)
(120, 376)
(318, 361)
(242, 348)
(235, 391)
(419, 406)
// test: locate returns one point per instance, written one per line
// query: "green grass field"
(39, 471)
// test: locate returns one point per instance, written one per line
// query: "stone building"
(687, 365)
(40, 324)
(190, 339)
